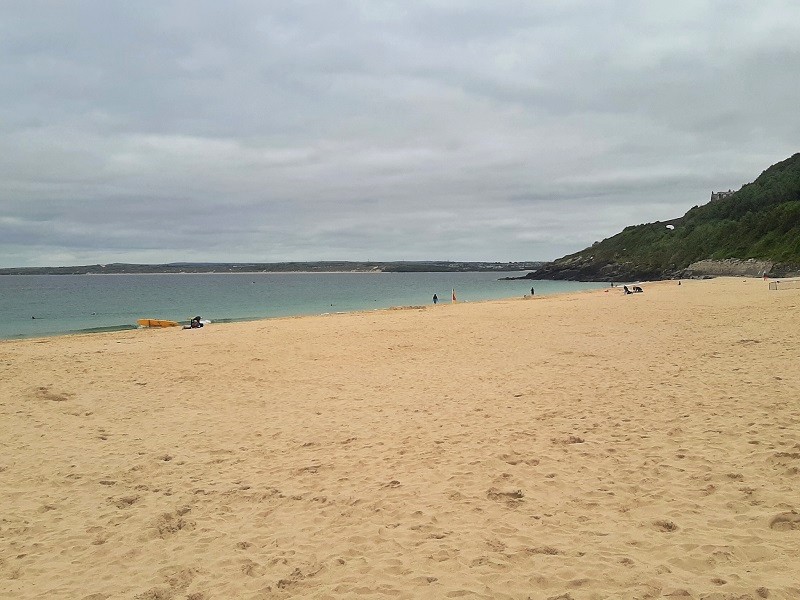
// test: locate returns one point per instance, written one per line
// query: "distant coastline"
(279, 267)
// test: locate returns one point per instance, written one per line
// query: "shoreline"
(256, 320)
(112, 328)
(586, 445)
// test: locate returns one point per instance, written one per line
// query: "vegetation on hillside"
(759, 221)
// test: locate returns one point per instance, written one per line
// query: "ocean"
(47, 305)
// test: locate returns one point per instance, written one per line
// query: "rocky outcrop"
(729, 267)
(735, 267)
(785, 270)
(582, 268)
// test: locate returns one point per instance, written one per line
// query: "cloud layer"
(267, 131)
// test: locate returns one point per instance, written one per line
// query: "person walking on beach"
(435, 298)
(532, 292)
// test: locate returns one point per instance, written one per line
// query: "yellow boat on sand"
(157, 323)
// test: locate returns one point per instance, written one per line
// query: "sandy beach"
(585, 446)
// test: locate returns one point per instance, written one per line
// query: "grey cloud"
(165, 131)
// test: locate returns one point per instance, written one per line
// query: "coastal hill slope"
(753, 230)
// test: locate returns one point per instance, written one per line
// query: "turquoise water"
(64, 304)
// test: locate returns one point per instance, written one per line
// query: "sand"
(585, 446)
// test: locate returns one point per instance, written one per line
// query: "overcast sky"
(259, 130)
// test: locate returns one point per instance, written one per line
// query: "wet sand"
(585, 446)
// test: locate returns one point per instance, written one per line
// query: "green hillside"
(759, 221)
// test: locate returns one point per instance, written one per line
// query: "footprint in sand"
(310, 470)
(548, 550)
(572, 439)
(44, 393)
(515, 459)
(786, 521)
(510, 497)
(297, 576)
(169, 524)
(124, 502)
(156, 593)
(665, 526)
(788, 460)
(252, 569)
(178, 581)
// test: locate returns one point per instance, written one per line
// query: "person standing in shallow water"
(435, 298)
